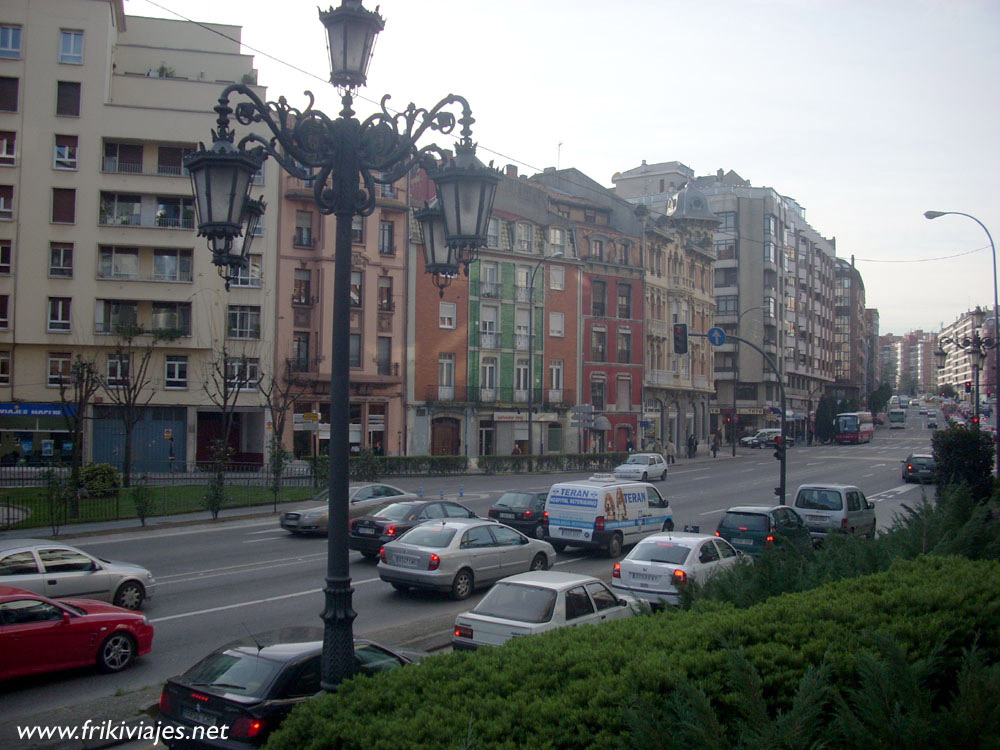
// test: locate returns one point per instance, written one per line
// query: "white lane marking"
(265, 539)
(241, 568)
(210, 610)
(815, 463)
(712, 512)
(865, 476)
(265, 531)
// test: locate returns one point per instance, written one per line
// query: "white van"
(605, 513)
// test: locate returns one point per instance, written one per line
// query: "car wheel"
(615, 546)
(668, 525)
(129, 595)
(370, 556)
(400, 587)
(539, 531)
(462, 586)
(539, 562)
(645, 477)
(558, 546)
(117, 652)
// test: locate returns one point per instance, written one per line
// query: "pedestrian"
(690, 446)
(694, 448)
(630, 446)
(715, 445)
(671, 452)
(516, 451)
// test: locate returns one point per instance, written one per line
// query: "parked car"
(643, 466)
(460, 555)
(252, 684)
(524, 511)
(764, 438)
(39, 634)
(59, 570)
(364, 498)
(536, 602)
(659, 566)
(919, 467)
(368, 533)
(835, 508)
(752, 528)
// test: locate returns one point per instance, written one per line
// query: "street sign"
(168, 434)
(582, 415)
(716, 336)
(310, 416)
(583, 409)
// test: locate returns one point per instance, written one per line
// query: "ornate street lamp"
(440, 256)
(975, 347)
(344, 158)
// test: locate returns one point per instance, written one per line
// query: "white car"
(536, 602)
(660, 565)
(644, 467)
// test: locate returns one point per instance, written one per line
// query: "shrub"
(965, 456)
(566, 688)
(142, 499)
(100, 480)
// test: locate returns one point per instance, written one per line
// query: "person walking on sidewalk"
(715, 445)
(690, 446)
(671, 452)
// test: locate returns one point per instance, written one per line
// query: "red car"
(38, 634)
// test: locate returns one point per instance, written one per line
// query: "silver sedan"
(364, 499)
(59, 571)
(458, 556)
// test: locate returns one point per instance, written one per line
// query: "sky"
(866, 112)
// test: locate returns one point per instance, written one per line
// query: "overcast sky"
(867, 112)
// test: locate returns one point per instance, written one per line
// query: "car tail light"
(527, 514)
(769, 539)
(616, 572)
(545, 515)
(433, 563)
(381, 555)
(492, 513)
(599, 523)
(717, 533)
(200, 697)
(165, 705)
(680, 577)
(246, 726)
(390, 530)
(462, 632)
(354, 524)
(843, 524)
(909, 467)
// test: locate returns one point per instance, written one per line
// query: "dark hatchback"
(524, 511)
(753, 528)
(249, 686)
(368, 533)
(919, 467)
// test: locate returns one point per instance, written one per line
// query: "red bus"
(853, 427)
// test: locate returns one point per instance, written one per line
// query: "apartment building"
(97, 234)
(851, 340)
(909, 363)
(959, 368)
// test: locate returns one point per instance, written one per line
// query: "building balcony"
(116, 165)
(521, 341)
(543, 398)
(486, 289)
(154, 222)
(489, 340)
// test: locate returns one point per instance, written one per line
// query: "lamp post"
(736, 371)
(531, 350)
(344, 158)
(975, 347)
(996, 314)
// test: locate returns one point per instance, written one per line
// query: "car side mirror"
(66, 618)
(871, 506)
(622, 602)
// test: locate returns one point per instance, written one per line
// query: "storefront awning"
(601, 423)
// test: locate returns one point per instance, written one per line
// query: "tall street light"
(996, 315)
(343, 158)
(531, 349)
(736, 371)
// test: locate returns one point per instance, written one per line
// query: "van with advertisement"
(604, 512)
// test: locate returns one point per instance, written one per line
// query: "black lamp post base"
(338, 639)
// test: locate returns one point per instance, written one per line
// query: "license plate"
(405, 561)
(644, 577)
(571, 532)
(815, 518)
(507, 516)
(198, 717)
(743, 542)
(366, 531)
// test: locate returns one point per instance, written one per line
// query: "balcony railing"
(303, 239)
(387, 368)
(114, 165)
(489, 340)
(161, 222)
(521, 341)
(490, 289)
(522, 293)
(515, 396)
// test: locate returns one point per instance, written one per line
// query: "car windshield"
(637, 460)
(660, 552)
(744, 522)
(922, 461)
(395, 512)
(819, 500)
(430, 536)
(235, 672)
(514, 601)
(516, 500)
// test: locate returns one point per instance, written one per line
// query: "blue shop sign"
(15, 409)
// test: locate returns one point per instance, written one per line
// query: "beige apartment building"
(97, 232)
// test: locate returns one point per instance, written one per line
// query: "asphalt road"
(217, 581)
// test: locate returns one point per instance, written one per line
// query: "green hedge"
(552, 462)
(571, 688)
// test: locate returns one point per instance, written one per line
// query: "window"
(597, 249)
(727, 221)
(623, 254)
(7, 202)
(68, 98)
(493, 233)
(61, 259)
(385, 302)
(489, 279)
(170, 160)
(725, 277)
(386, 242)
(598, 345)
(4, 368)
(119, 209)
(355, 353)
(8, 94)
(124, 158)
(172, 316)
(8, 148)
(447, 312)
(446, 370)
(10, 42)
(250, 276)
(59, 368)
(171, 265)
(301, 287)
(356, 280)
(624, 347)
(303, 229)
(624, 301)
(358, 230)
(557, 322)
(118, 262)
(521, 379)
(300, 352)
(5, 248)
(118, 366)
(488, 376)
(727, 305)
(174, 213)
(243, 372)
(598, 293)
(770, 224)
(726, 249)
(63, 206)
(557, 278)
(65, 152)
(244, 322)
(59, 312)
(556, 374)
(597, 393)
(383, 355)
(112, 314)
(525, 238)
(623, 393)
(71, 47)
(175, 376)
(4, 311)
(770, 252)
(557, 239)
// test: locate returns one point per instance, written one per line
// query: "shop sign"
(15, 409)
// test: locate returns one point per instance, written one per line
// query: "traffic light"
(779, 448)
(968, 386)
(729, 419)
(680, 338)
(975, 420)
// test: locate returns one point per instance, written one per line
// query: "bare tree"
(76, 392)
(280, 393)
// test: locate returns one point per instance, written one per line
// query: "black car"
(252, 684)
(524, 511)
(919, 467)
(368, 533)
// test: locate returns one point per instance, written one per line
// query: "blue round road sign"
(717, 336)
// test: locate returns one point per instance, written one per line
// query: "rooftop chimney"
(511, 170)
